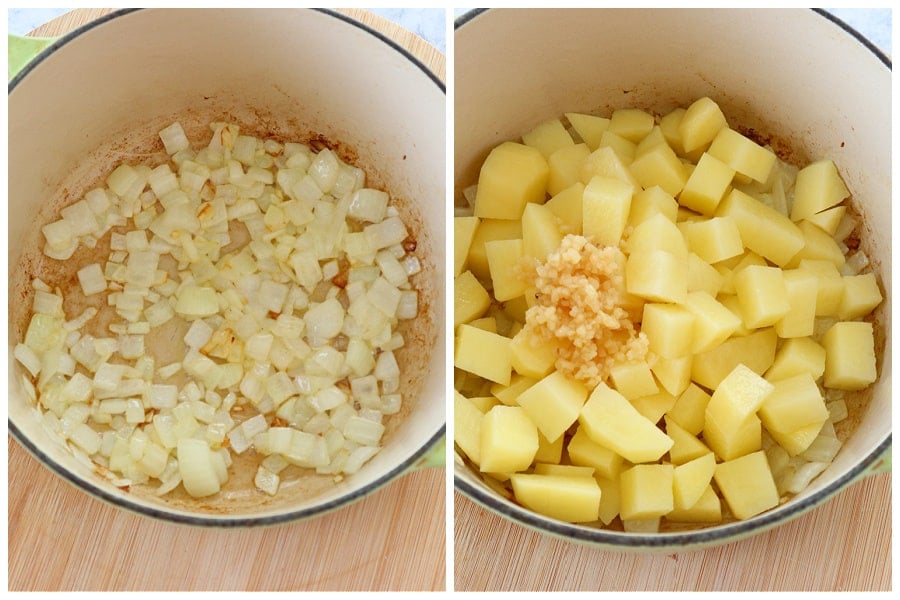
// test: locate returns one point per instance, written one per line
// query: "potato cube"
(797, 441)
(703, 277)
(689, 411)
(565, 167)
(714, 239)
(484, 403)
(532, 356)
(762, 294)
(566, 205)
(763, 230)
(686, 446)
(604, 162)
(584, 451)
(702, 120)
(483, 353)
(488, 230)
(849, 355)
(818, 186)
(742, 154)
(660, 166)
(467, 427)
(737, 398)
(653, 138)
(657, 276)
(633, 379)
(511, 176)
(646, 491)
(631, 123)
(652, 201)
(653, 406)
(509, 394)
(541, 468)
(713, 322)
(486, 323)
(509, 440)
(747, 485)
(549, 452)
(570, 499)
(829, 219)
(829, 286)
(817, 245)
(553, 403)
(794, 403)
(463, 234)
(470, 299)
(669, 124)
(691, 479)
(504, 260)
(605, 205)
(706, 185)
(624, 149)
(590, 128)
(611, 421)
(708, 509)
(657, 233)
(673, 374)
(548, 137)
(610, 498)
(756, 351)
(540, 231)
(729, 444)
(669, 329)
(861, 296)
(802, 291)
(796, 356)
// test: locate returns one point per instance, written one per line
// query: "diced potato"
(660, 166)
(566, 205)
(509, 394)
(817, 245)
(703, 277)
(742, 154)
(763, 230)
(669, 124)
(633, 379)
(484, 403)
(818, 186)
(486, 323)
(531, 356)
(470, 299)
(689, 411)
(483, 353)
(797, 441)
(570, 499)
(582, 450)
(762, 294)
(756, 351)
(657, 233)
(829, 219)
(747, 485)
(610, 498)
(861, 296)
(653, 138)
(651, 201)
(646, 491)
(802, 291)
(540, 232)
(691, 479)
(849, 355)
(669, 329)
(796, 356)
(589, 127)
(509, 440)
(604, 162)
(541, 468)
(467, 427)
(504, 260)
(605, 205)
(611, 421)
(548, 137)
(489, 229)
(673, 374)
(565, 167)
(714, 239)
(656, 275)
(794, 403)
(463, 234)
(549, 452)
(624, 149)
(512, 175)
(686, 446)
(706, 185)
(631, 123)
(737, 398)
(829, 286)
(708, 509)
(702, 120)
(553, 403)
(713, 322)
(653, 406)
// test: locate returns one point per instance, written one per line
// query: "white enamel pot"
(98, 96)
(806, 81)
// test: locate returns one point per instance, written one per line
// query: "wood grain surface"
(61, 539)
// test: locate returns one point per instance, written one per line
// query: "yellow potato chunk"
(797, 441)
(611, 421)
(509, 440)
(742, 154)
(488, 230)
(564, 470)
(764, 230)
(548, 137)
(686, 446)
(549, 452)
(657, 233)
(553, 403)
(486, 323)
(729, 444)
(590, 128)
(470, 299)
(802, 290)
(633, 379)
(849, 355)
(565, 167)
(540, 232)
(532, 356)
(747, 485)
(706, 185)
(656, 275)
(605, 205)
(737, 397)
(566, 205)
(660, 166)
(828, 220)
(483, 353)
(755, 351)
(570, 499)
(512, 175)
(702, 120)
(584, 451)
(713, 322)
(818, 186)
(714, 239)
(861, 296)
(691, 479)
(817, 245)
(604, 162)
(624, 149)
(689, 411)
(762, 294)
(793, 404)
(653, 406)
(610, 498)
(463, 234)
(652, 201)
(796, 356)
(646, 491)
(509, 394)
(673, 374)
(669, 329)
(484, 403)
(632, 124)
(708, 509)
(467, 426)
(829, 286)
(504, 258)
(703, 277)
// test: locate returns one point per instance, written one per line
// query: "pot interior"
(293, 75)
(792, 78)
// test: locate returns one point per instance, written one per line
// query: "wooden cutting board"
(62, 539)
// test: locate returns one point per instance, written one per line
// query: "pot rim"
(209, 519)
